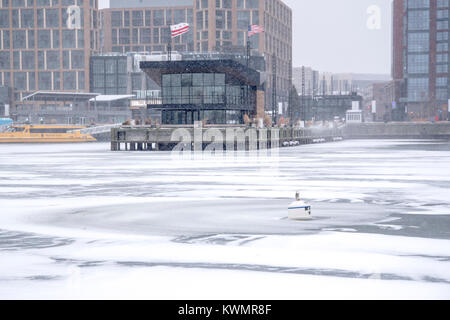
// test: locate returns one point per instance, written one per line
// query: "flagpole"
(169, 49)
(248, 48)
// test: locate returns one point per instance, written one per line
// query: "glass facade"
(426, 64)
(213, 97)
(203, 89)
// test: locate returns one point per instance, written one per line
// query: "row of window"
(43, 3)
(177, 117)
(46, 60)
(157, 48)
(423, 4)
(147, 36)
(159, 17)
(419, 20)
(67, 80)
(45, 18)
(418, 89)
(46, 39)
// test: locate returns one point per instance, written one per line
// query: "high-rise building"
(306, 80)
(46, 45)
(144, 25)
(222, 25)
(421, 58)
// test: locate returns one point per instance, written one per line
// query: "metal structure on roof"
(155, 69)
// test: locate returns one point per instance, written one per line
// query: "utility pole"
(274, 90)
(303, 94)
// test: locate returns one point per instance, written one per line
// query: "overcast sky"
(332, 35)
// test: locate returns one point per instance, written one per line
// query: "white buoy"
(299, 210)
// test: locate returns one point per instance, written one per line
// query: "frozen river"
(78, 221)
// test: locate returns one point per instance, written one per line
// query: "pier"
(230, 138)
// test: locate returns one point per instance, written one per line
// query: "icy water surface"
(78, 221)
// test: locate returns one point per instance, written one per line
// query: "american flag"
(179, 29)
(254, 29)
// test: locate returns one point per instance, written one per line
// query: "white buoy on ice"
(299, 210)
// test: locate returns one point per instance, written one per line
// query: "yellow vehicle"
(44, 134)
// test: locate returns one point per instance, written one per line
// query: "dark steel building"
(214, 91)
(421, 58)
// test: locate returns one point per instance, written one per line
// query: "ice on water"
(78, 221)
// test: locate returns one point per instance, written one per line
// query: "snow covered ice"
(78, 221)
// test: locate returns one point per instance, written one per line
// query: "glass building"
(214, 91)
(421, 58)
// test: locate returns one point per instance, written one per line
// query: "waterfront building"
(210, 90)
(222, 25)
(52, 107)
(324, 107)
(421, 57)
(216, 26)
(46, 45)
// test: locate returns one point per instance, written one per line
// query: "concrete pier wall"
(144, 138)
(397, 130)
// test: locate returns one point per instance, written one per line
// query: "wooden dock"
(229, 138)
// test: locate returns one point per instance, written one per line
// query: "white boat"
(299, 210)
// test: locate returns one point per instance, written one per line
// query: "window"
(44, 40)
(19, 39)
(20, 81)
(5, 60)
(69, 80)
(4, 18)
(243, 19)
(442, 47)
(419, 20)
(28, 60)
(124, 36)
(417, 89)
(138, 18)
(116, 19)
(27, 18)
(418, 63)
(68, 39)
(52, 18)
(53, 60)
(32, 80)
(418, 4)
(55, 39)
(442, 94)
(45, 80)
(77, 59)
(6, 39)
(146, 36)
(81, 80)
(158, 17)
(197, 88)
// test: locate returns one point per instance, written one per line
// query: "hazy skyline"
(333, 36)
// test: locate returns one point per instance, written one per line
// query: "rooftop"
(60, 96)
(155, 69)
